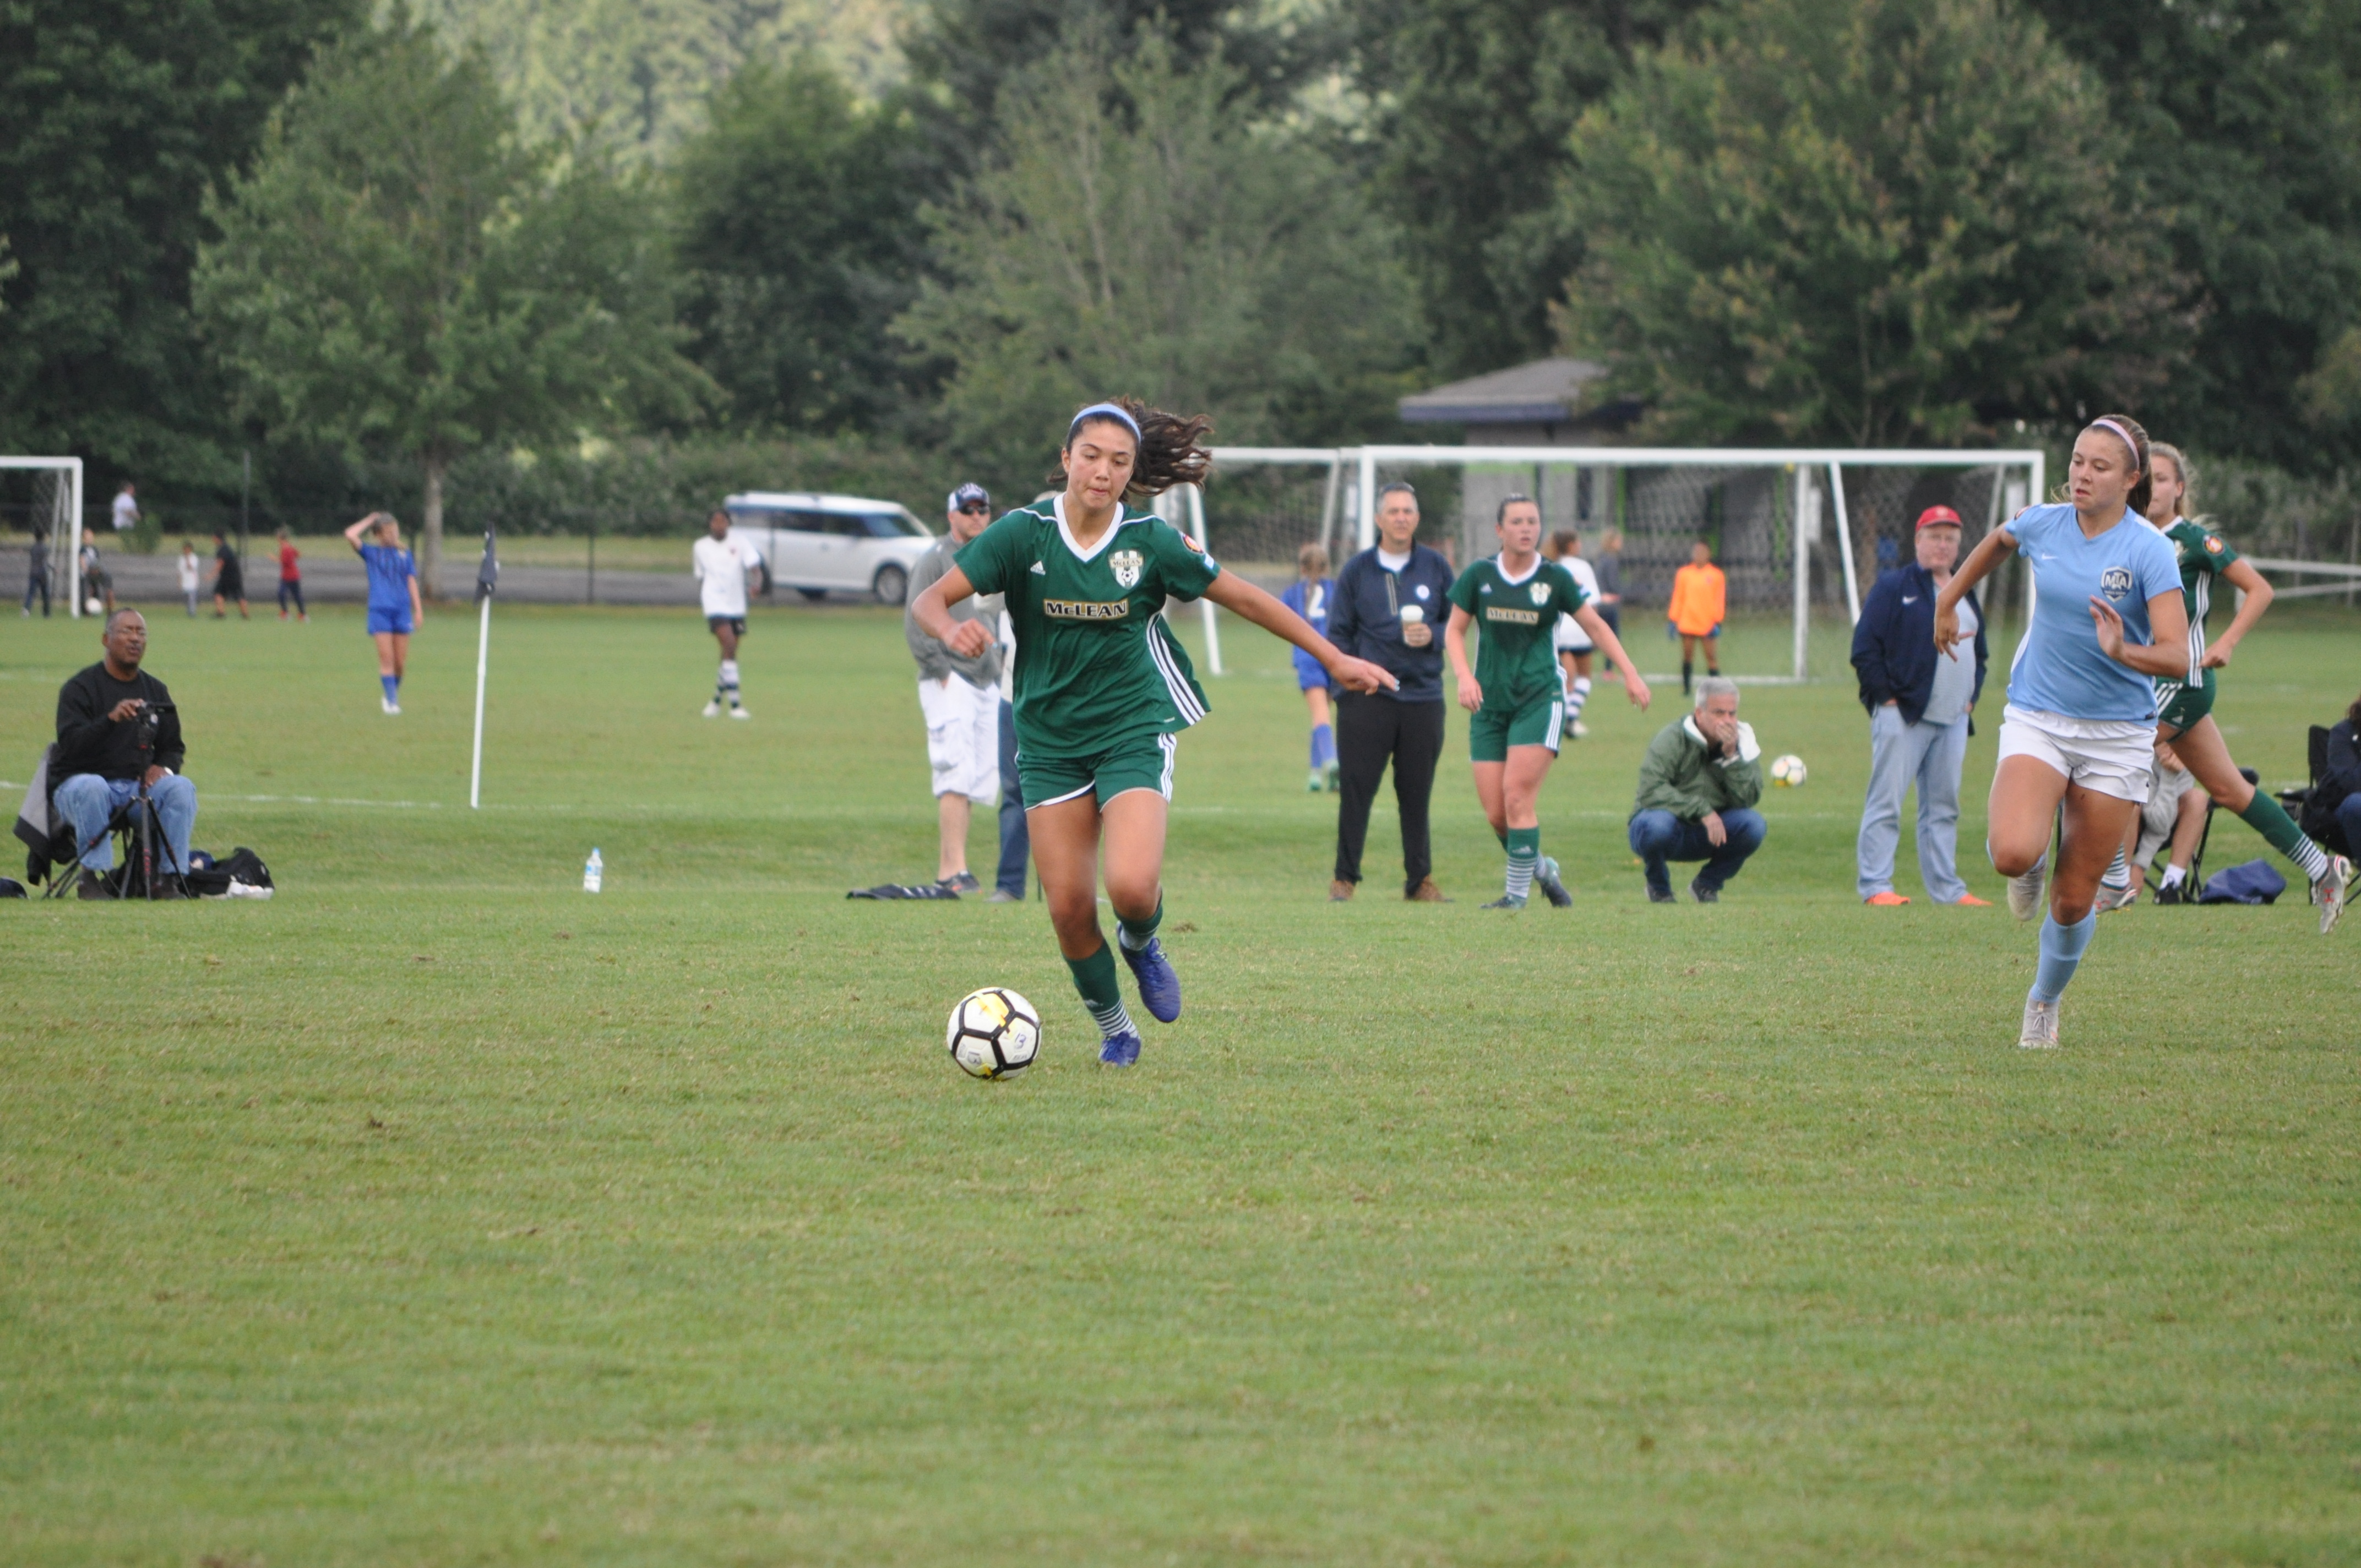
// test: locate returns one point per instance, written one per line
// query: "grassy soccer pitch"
(437, 1214)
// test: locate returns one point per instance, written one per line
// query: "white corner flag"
(488, 577)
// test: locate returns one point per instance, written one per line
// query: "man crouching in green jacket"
(1699, 784)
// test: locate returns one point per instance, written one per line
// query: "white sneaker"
(2025, 892)
(388, 704)
(2111, 899)
(713, 709)
(2039, 1032)
(1579, 730)
(2329, 892)
(739, 713)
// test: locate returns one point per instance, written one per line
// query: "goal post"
(54, 509)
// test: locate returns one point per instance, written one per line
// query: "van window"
(891, 525)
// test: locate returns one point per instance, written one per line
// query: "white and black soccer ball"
(994, 1033)
(1787, 771)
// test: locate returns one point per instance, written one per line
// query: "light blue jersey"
(2059, 668)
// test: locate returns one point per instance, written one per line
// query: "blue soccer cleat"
(1120, 1050)
(1159, 988)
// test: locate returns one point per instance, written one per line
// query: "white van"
(817, 543)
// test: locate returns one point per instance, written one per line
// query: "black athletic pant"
(1370, 732)
(292, 587)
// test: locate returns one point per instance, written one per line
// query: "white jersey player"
(723, 563)
(1572, 643)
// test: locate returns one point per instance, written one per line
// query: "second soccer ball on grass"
(1788, 771)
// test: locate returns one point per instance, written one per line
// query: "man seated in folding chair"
(117, 728)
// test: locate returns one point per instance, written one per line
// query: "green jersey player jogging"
(1515, 696)
(1102, 687)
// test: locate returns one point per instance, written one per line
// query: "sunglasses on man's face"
(978, 508)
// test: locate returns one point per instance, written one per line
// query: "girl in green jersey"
(1103, 686)
(1514, 695)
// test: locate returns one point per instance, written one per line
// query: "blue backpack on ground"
(2253, 882)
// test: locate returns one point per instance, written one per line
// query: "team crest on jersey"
(1541, 592)
(2116, 582)
(2213, 545)
(1127, 565)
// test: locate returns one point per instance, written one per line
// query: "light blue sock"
(393, 684)
(2061, 954)
(1324, 745)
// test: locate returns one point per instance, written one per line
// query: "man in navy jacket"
(1390, 606)
(1919, 702)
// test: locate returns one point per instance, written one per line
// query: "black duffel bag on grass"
(209, 878)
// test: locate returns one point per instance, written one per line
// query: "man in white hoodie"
(1699, 784)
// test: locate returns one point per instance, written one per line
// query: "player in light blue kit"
(1308, 596)
(394, 610)
(2080, 718)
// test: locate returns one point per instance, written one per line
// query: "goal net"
(1800, 535)
(41, 498)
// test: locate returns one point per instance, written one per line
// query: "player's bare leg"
(2207, 756)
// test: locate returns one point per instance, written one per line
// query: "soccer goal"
(44, 494)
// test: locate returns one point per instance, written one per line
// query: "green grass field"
(438, 1213)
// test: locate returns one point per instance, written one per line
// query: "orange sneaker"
(1969, 901)
(1885, 900)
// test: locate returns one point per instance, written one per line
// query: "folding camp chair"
(143, 866)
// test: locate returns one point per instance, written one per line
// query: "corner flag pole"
(488, 577)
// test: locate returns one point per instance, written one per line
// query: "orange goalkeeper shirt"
(1699, 599)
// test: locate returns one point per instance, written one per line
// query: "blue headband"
(1104, 411)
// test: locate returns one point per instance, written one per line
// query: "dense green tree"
(2243, 119)
(400, 271)
(1872, 222)
(1473, 102)
(800, 235)
(1138, 234)
(114, 117)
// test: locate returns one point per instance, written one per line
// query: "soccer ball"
(1787, 770)
(994, 1033)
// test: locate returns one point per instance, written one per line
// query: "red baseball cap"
(1938, 517)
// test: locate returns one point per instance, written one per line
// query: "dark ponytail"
(2145, 491)
(1172, 448)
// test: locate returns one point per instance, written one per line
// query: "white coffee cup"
(1411, 615)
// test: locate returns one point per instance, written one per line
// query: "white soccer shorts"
(2112, 756)
(962, 737)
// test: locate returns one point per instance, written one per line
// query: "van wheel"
(891, 585)
(818, 595)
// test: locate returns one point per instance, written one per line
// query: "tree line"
(321, 231)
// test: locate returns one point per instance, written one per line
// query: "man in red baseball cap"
(1919, 704)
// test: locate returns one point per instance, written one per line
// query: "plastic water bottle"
(594, 870)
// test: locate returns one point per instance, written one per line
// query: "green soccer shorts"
(1495, 726)
(2181, 705)
(1144, 761)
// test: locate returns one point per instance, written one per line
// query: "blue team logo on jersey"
(2116, 582)
(1127, 565)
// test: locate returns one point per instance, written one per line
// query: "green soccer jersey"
(1516, 617)
(1095, 663)
(2201, 555)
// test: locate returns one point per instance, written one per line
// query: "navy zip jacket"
(1894, 646)
(1365, 618)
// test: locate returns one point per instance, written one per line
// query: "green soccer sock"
(1094, 983)
(1137, 934)
(1525, 855)
(2269, 818)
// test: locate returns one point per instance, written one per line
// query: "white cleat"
(739, 713)
(2039, 1032)
(388, 704)
(713, 710)
(2111, 899)
(2025, 892)
(1579, 730)
(2329, 892)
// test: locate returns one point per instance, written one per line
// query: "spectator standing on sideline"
(192, 576)
(2333, 806)
(290, 578)
(229, 579)
(1385, 609)
(107, 748)
(1700, 597)
(1609, 561)
(37, 575)
(127, 509)
(1919, 705)
(959, 696)
(1572, 643)
(1309, 596)
(1015, 837)
(1699, 784)
(721, 566)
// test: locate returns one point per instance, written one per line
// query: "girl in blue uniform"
(2080, 720)
(1308, 596)
(394, 608)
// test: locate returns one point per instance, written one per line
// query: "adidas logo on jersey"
(1039, 570)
